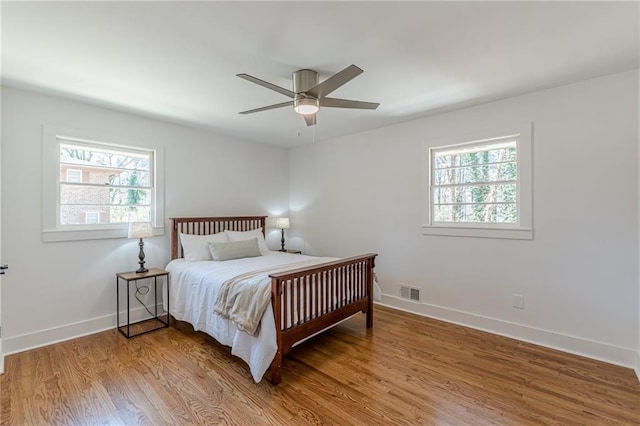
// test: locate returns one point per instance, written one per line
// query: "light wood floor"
(408, 370)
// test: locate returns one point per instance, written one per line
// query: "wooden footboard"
(308, 300)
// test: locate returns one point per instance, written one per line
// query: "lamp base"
(141, 269)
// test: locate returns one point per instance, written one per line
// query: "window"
(74, 175)
(97, 188)
(475, 183)
(92, 217)
(480, 188)
(119, 184)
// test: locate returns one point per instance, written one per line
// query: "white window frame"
(523, 229)
(52, 230)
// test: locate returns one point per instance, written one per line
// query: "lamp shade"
(140, 230)
(282, 223)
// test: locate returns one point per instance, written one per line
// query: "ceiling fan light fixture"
(306, 106)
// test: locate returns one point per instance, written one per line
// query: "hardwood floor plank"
(407, 370)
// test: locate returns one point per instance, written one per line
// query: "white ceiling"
(178, 60)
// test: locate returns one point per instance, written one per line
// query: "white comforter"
(194, 286)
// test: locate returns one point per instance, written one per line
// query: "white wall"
(363, 193)
(59, 290)
(579, 274)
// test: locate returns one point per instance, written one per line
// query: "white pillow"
(247, 235)
(196, 247)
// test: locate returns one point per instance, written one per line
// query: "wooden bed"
(340, 288)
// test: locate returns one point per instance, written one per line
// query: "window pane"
(92, 214)
(122, 214)
(476, 173)
(131, 178)
(475, 194)
(102, 157)
(476, 213)
(107, 177)
(96, 195)
(103, 166)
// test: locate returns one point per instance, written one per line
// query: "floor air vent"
(410, 293)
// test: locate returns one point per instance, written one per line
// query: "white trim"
(455, 231)
(524, 228)
(638, 366)
(600, 351)
(50, 168)
(49, 236)
(66, 332)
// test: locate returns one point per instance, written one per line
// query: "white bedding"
(194, 286)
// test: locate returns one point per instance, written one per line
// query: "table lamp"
(140, 230)
(282, 223)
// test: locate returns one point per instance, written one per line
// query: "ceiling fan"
(309, 94)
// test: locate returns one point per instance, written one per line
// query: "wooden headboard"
(210, 225)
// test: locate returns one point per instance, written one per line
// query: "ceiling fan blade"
(310, 119)
(283, 104)
(345, 103)
(332, 83)
(268, 85)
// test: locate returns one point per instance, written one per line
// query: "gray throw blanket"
(244, 298)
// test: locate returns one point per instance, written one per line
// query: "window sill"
(502, 233)
(55, 235)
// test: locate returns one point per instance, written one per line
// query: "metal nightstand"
(130, 277)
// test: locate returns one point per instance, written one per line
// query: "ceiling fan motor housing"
(304, 80)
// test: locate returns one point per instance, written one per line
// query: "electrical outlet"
(518, 301)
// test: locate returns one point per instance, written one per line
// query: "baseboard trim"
(612, 354)
(38, 339)
(638, 366)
